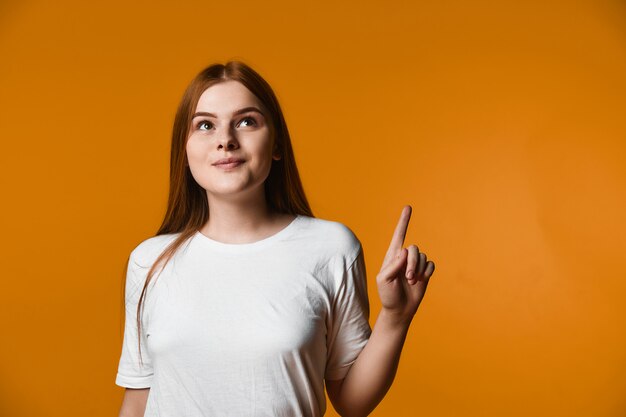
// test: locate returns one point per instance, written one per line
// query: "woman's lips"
(229, 165)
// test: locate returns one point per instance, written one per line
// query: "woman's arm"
(372, 373)
(402, 283)
(134, 403)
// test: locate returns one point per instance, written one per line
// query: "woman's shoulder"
(147, 251)
(334, 235)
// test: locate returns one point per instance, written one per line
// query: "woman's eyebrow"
(235, 113)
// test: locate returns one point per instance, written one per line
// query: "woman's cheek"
(194, 150)
(194, 157)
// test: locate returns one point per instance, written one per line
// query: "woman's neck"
(234, 222)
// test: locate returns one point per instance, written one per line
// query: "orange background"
(502, 123)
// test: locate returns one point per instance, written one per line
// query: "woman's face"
(230, 122)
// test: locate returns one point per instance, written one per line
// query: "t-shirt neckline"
(245, 247)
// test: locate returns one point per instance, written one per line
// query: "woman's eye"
(247, 120)
(204, 123)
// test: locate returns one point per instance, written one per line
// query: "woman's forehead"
(227, 97)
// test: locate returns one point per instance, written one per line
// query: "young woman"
(244, 303)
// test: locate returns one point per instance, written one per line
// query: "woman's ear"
(276, 156)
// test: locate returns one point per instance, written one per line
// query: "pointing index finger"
(397, 241)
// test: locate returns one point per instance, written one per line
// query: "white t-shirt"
(246, 329)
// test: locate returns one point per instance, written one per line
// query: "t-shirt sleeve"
(132, 374)
(350, 328)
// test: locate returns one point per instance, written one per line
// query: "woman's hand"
(404, 276)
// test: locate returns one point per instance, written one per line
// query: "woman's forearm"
(372, 374)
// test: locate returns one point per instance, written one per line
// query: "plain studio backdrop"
(503, 123)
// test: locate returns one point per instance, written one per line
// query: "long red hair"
(187, 206)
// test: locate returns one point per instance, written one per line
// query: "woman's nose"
(227, 139)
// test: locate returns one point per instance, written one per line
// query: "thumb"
(391, 270)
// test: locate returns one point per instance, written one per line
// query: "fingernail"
(409, 274)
